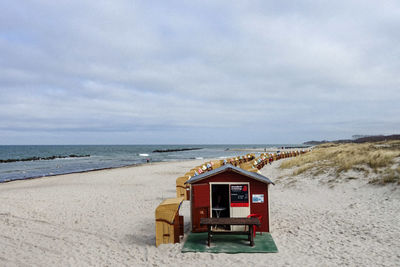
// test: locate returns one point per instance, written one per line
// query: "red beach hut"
(229, 191)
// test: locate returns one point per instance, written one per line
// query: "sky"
(197, 72)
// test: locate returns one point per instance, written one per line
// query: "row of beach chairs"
(266, 158)
(169, 224)
(247, 162)
(183, 190)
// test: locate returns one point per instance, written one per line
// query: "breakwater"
(42, 158)
(175, 150)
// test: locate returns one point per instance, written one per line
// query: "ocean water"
(102, 156)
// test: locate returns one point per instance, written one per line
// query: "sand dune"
(107, 218)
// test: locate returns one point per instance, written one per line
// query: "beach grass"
(381, 158)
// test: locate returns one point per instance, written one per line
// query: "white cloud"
(211, 67)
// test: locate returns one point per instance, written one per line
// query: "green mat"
(197, 242)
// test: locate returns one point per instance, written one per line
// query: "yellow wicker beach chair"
(169, 225)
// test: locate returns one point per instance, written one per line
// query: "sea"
(18, 162)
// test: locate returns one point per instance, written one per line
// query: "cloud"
(198, 71)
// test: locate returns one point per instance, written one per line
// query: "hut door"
(201, 205)
(239, 202)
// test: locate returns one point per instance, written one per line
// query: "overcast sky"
(197, 72)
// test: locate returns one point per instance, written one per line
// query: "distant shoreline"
(39, 161)
(102, 169)
(73, 172)
(91, 170)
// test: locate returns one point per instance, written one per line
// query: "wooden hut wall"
(256, 187)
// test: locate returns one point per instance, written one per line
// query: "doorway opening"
(220, 200)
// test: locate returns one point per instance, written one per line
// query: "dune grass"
(389, 176)
(379, 157)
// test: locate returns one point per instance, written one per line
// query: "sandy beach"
(106, 218)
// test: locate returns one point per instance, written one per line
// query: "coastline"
(86, 171)
(17, 166)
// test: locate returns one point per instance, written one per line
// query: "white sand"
(106, 218)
